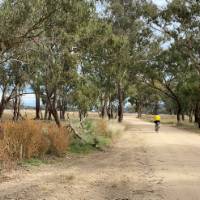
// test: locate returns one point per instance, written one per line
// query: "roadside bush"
(23, 139)
(96, 134)
(102, 128)
(30, 139)
(59, 140)
(109, 129)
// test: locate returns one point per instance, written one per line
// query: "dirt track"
(143, 165)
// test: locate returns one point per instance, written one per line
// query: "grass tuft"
(32, 162)
(81, 148)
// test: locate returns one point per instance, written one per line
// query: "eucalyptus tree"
(20, 21)
(190, 95)
(57, 49)
(168, 74)
(178, 24)
(51, 65)
(144, 99)
(97, 61)
(84, 96)
(129, 24)
(12, 80)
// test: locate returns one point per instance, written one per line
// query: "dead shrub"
(27, 139)
(23, 139)
(102, 128)
(59, 140)
(109, 129)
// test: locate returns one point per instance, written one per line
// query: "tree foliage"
(75, 58)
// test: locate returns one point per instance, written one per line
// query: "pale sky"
(160, 2)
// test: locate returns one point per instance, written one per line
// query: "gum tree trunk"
(103, 108)
(37, 105)
(120, 105)
(2, 108)
(51, 99)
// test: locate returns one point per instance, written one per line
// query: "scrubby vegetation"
(30, 140)
(96, 135)
(91, 55)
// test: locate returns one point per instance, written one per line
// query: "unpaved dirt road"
(142, 165)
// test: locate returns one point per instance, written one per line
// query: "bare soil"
(142, 165)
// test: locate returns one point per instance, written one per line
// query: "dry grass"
(27, 139)
(102, 128)
(59, 140)
(33, 139)
(116, 129)
(109, 129)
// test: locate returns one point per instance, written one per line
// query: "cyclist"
(157, 122)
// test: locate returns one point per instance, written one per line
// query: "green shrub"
(95, 135)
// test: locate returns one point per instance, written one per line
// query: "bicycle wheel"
(157, 128)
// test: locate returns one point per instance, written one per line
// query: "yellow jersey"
(157, 118)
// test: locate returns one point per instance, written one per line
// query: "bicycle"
(157, 126)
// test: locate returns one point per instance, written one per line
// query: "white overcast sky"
(160, 2)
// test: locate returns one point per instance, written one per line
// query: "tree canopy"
(74, 57)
